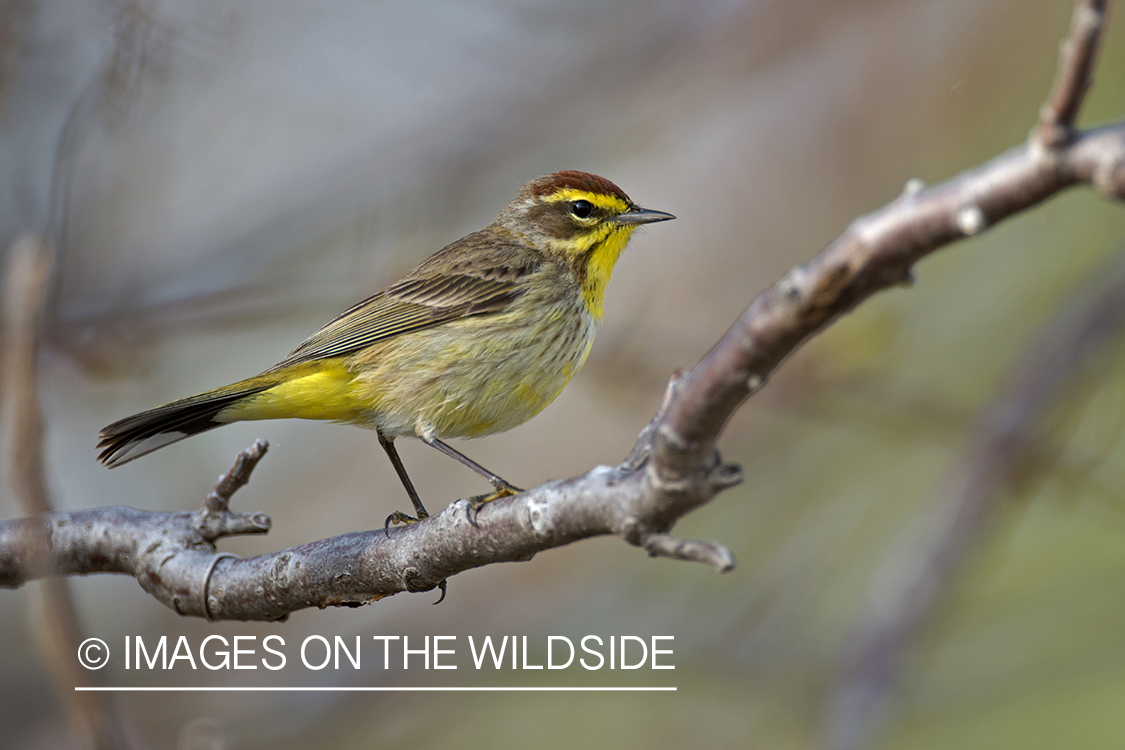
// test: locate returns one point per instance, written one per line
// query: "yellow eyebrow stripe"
(601, 200)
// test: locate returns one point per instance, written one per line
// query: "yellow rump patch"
(317, 390)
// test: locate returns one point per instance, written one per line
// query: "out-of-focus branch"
(674, 467)
(1003, 453)
(1005, 449)
(25, 286)
(26, 281)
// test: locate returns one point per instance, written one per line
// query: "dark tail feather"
(141, 434)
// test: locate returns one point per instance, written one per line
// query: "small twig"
(709, 553)
(1077, 56)
(218, 499)
(215, 519)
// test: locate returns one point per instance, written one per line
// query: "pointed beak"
(643, 216)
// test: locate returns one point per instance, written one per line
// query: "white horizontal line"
(373, 689)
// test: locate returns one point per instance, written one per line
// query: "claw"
(472, 507)
(476, 502)
(442, 587)
(399, 517)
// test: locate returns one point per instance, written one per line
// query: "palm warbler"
(479, 338)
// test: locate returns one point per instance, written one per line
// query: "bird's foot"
(479, 501)
(399, 517)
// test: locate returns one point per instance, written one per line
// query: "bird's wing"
(421, 300)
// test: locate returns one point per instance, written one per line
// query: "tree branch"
(173, 561)
(876, 252)
(674, 467)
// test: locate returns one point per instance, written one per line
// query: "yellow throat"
(596, 250)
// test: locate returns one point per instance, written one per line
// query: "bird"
(477, 339)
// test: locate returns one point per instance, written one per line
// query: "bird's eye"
(581, 209)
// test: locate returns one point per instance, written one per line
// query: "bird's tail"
(143, 433)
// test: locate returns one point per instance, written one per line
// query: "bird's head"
(584, 219)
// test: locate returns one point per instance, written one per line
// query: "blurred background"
(221, 179)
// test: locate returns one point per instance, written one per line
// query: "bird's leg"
(502, 487)
(398, 516)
